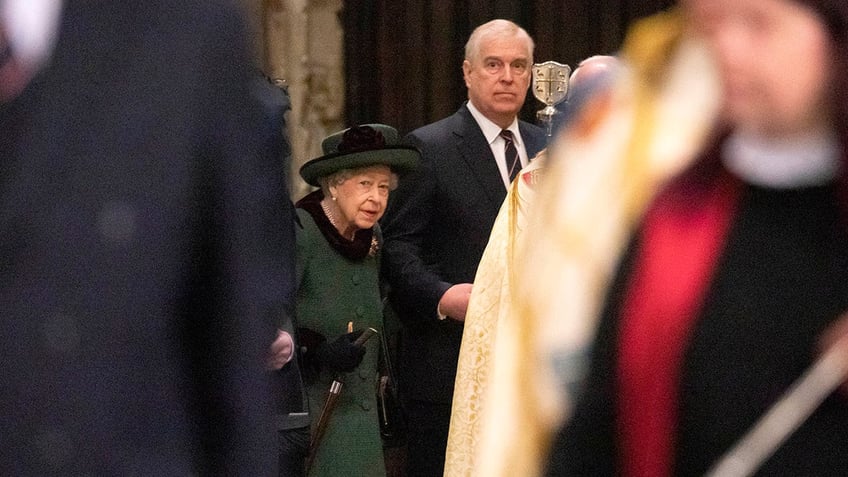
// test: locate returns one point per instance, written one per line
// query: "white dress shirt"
(32, 27)
(492, 132)
(783, 163)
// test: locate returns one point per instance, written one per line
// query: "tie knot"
(506, 134)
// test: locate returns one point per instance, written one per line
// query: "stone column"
(300, 41)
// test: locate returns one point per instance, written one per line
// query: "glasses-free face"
(774, 60)
(361, 199)
(498, 76)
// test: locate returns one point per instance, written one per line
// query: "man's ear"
(466, 70)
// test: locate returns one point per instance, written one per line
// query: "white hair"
(341, 175)
(497, 27)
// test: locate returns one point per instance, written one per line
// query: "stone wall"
(300, 41)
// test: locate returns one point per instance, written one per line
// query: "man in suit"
(145, 249)
(439, 221)
(292, 407)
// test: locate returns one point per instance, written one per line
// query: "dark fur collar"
(356, 249)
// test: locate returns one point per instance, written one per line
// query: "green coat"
(333, 291)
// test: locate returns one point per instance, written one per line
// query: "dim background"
(398, 62)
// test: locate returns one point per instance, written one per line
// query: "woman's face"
(774, 60)
(362, 197)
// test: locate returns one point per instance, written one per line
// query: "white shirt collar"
(491, 130)
(783, 164)
(32, 28)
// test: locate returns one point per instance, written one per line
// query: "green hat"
(361, 146)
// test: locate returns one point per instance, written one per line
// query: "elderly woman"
(338, 247)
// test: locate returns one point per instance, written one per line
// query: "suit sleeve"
(242, 268)
(415, 287)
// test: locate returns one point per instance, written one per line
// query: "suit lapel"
(34, 155)
(476, 153)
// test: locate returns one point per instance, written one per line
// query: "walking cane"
(330, 404)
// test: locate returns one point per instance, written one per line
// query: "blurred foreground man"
(734, 271)
(142, 242)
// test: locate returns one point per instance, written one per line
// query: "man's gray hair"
(497, 27)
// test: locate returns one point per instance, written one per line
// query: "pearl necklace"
(332, 219)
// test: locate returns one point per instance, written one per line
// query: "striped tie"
(513, 161)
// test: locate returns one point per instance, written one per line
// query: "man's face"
(774, 58)
(498, 77)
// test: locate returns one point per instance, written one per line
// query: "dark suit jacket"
(436, 228)
(143, 252)
(287, 383)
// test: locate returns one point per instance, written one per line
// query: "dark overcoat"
(142, 250)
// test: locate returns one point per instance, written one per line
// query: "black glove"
(339, 355)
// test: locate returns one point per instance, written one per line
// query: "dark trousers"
(427, 438)
(294, 446)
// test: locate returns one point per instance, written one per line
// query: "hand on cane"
(343, 354)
